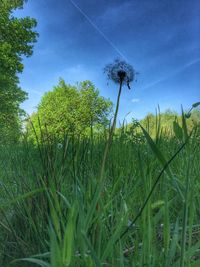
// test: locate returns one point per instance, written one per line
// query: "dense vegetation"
(75, 110)
(16, 40)
(54, 204)
(76, 191)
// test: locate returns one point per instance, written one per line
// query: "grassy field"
(57, 210)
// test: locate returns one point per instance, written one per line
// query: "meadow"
(76, 188)
(58, 210)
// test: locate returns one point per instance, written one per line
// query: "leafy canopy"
(71, 109)
(16, 40)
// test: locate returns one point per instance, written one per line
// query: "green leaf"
(196, 104)
(174, 243)
(69, 236)
(184, 126)
(177, 130)
(157, 204)
(188, 115)
(36, 261)
(56, 255)
(22, 197)
(156, 150)
(93, 253)
(115, 236)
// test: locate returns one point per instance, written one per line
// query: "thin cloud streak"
(98, 29)
(195, 61)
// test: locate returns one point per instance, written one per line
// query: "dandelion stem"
(110, 137)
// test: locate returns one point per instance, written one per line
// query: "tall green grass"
(55, 211)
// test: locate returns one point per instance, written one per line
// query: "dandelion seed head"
(120, 72)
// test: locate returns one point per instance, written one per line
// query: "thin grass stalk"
(185, 218)
(152, 190)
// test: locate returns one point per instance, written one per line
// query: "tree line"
(76, 110)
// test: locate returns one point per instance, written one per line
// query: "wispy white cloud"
(135, 100)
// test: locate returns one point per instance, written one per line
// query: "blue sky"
(79, 37)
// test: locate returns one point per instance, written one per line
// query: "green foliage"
(70, 110)
(49, 215)
(171, 122)
(16, 41)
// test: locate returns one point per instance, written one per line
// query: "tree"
(71, 110)
(16, 40)
(167, 119)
